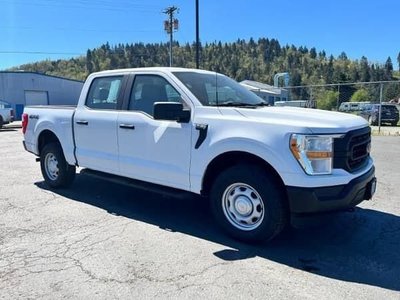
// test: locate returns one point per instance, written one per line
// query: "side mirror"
(172, 111)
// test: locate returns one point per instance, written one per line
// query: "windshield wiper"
(262, 104)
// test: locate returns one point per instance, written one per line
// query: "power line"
(40, 52)
(76, 29)
(109, 6)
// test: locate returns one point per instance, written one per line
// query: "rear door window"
(104, 92)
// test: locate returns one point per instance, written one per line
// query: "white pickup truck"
(6, 114)
(185, 130)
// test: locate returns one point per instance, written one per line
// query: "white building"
(28, 88)
(265, 91)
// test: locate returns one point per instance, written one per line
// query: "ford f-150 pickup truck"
(185, 130)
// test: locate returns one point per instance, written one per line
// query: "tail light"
(24, 122)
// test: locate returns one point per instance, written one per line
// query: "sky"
(34, 30)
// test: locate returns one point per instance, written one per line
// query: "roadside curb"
(16, 124)
(385, 131)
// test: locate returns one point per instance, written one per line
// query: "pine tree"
(388, 69)
(398, 60)
(89, 64)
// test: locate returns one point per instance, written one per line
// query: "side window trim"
(127, 92)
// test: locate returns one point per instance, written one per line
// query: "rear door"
(95, 124)
(152, 150)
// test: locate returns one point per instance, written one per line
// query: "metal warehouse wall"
(20, 88)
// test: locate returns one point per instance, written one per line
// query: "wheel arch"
(46, 137)
(231, 158)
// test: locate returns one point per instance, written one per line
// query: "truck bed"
(55, 118)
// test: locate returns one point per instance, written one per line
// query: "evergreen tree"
(365, 72)
(89, 63)
(313, 53)
(388, 69)
(398, 60)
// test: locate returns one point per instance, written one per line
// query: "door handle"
(82, 122)
(127, 126)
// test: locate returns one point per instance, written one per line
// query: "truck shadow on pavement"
(7, 129)
(362, 246)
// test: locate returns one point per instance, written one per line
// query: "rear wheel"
(249, 204)
(55, 170)
(1, 122)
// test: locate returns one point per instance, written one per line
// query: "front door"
(153, 150)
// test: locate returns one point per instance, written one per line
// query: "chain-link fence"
(357, 98)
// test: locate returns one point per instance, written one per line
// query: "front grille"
(352, 151)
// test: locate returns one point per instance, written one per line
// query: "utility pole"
(198, 36)
(169, 26)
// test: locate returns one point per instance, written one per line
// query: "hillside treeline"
(254, 60)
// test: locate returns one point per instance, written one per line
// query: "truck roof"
(159, 69)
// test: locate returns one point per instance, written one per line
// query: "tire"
(56, 172)
(249, 204)
(1, 122)
(394, 123)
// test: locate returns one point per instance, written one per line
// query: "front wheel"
(249, 204)
(55, 170)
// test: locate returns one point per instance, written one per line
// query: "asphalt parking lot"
(99, 240)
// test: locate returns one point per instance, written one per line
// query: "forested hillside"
(255, 60)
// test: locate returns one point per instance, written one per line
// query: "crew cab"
(186, 130)
(6, 113)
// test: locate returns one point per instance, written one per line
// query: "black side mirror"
(172, 111)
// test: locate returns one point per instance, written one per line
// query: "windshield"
(218, 90)
(388, 108)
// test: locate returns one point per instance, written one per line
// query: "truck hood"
(317, 121)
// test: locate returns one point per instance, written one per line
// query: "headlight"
(313, 152)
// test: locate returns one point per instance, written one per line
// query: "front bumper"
(323, 199)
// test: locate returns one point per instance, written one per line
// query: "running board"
(137, 184)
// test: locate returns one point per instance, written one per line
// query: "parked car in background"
(353, 106)
(6, 113)
(297, 103)
(390, 114)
